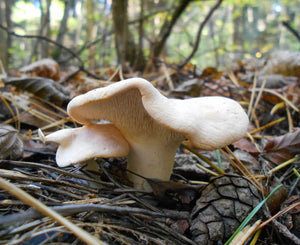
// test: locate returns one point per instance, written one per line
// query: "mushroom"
(153, 126)
(89, 141)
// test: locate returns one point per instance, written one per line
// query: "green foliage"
(238, 28)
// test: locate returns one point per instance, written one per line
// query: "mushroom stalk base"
(151, 160)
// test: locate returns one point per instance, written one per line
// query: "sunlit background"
(237, 30)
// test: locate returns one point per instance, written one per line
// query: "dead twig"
(57, 170)
(67, 210)
(199, 33)
(43, 209)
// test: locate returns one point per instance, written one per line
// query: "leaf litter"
(101, 201)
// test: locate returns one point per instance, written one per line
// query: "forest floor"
(198, 206)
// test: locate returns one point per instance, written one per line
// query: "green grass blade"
(296, 172)
(219, 159)
(252, 213)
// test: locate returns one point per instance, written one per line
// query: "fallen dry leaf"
(42, 68)
(41, 87)
(246, 145)
(282, 148)
(11, 146)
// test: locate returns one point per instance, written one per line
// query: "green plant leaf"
(252, 213)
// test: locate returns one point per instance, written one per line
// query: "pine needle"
(45, 210)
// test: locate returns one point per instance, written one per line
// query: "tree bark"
(91, 32)
(123, 40)
(104, 46)
(140, 60)
(237, 25)
(5, 39)
(62, 30)
(44, 31)
(63, 23)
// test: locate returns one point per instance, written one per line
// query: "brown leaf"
(246, 145)
(276, 200)
(42, 68)
(282, 148)
(41, 87)
(289, 141)
(211, 72)
(278, 157)
(11, 146)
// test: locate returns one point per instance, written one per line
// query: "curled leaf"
(11, 146)
(246, 145)
(289, 141)
(282, 148)
(41, 87)
(42, 68)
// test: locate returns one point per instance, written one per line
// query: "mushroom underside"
(154, 126)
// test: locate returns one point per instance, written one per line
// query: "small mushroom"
(153, 125)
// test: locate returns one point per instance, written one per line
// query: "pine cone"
(224, 203)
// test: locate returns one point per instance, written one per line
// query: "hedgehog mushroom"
(154, 126)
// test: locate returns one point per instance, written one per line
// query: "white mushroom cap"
(90, 141)
(154, 126)
(208, 122)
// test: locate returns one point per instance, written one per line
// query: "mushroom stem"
(152, 159)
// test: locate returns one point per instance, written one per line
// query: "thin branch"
(53, 169)
(109, 33)
(46, 211)
(167, 27)
(291, 29)
(45, 39)
(73, 54)
(199, 33)
(72, 209)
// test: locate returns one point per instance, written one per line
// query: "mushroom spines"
(209, 122)
(124, 108)
(82, 108)
(151, 125)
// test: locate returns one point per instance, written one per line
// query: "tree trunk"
(237, 26)
(140, 60)
(91, 32)
(123, 40)
(44, 31)
(63, 23)
(5, 39)
(104, 46)
(62, 30)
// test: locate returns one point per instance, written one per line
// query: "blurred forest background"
(103, 33)
(54, 50)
